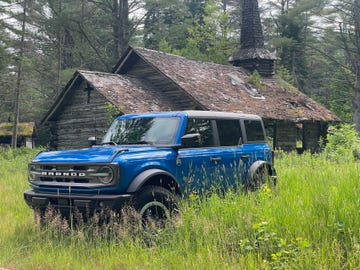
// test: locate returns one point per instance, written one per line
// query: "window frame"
(240, 127)
(215, 131)
(244, 130)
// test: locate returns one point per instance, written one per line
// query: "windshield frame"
(113, 131)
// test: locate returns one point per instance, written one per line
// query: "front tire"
(155, 206)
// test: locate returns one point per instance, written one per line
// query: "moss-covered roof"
(24, 129)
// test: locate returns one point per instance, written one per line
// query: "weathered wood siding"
(285, 136)
(83, 116)
(311, 136)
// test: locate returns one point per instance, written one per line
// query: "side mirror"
(191, 140)
(92, 141)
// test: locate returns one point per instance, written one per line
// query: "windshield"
(147, 130)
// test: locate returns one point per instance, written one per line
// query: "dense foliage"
(309, 221)
(343, 143)
(314, 40)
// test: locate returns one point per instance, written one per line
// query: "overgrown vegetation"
(309, 221)
(343, 143)
(256, 80)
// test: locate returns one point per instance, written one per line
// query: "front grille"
(83, 175)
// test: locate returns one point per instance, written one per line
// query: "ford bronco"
(149, 160)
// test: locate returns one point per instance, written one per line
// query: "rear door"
(234, 160)
(255, 146)
(219, 159)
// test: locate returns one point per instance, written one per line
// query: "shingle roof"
(215, 87)
(24, 129)
(129, 94)
(225, 88)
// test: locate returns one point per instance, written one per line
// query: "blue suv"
(150, 160)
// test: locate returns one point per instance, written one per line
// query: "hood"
(94, 154)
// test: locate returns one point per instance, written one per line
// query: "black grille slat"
(71, 175)
(65, 174)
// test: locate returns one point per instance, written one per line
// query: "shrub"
(343, 143)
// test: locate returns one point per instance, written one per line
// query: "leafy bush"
(343, 143)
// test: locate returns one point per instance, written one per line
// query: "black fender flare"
(260, 164)
(144, 176)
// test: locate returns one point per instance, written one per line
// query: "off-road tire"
(260, 178)
(155, 205)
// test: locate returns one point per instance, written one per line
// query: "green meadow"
(310, 220)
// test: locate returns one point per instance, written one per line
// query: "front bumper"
(69, 202)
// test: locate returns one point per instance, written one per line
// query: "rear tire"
(259, 178)
(155, 205)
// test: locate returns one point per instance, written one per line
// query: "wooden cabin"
(26, 134)
(90, 101)
(147, 80)
(290, 116)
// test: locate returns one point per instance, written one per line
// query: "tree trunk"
(356, 103)
(18, 80)
(59, 51)
(120, 12)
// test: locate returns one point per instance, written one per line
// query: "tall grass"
(309, 221)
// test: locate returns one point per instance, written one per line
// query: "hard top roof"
(197, 114)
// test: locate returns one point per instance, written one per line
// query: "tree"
(295, 28)
(344, 18)
(121, 29)
(357, 65)
(19, 76)
(166, 20)
(341, 95)
(211, 37)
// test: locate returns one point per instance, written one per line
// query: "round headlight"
(105, 175)
(32, 173)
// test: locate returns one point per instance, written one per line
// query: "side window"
(229, 132)
(204, 128)
(254, 130)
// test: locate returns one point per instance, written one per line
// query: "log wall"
(285, 135)
(311, 136)
(82, 117)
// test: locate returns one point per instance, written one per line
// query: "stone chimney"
(253, 54)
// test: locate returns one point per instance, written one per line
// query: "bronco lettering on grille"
(70, 174)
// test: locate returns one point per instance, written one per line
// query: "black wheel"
(155, 206)
(259, 178)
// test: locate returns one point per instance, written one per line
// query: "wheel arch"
(259, 164)
(155, 177)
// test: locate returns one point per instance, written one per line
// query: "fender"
(140, 179)
(257, 165)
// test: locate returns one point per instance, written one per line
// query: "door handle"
(245, 157)
(215, 159)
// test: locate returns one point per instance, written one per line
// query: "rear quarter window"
(254, 131)
(229, 132)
